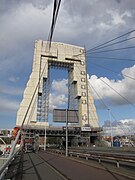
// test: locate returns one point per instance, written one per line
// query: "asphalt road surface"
(46, 166)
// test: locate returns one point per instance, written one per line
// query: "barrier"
(11, 156)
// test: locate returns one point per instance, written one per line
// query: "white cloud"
(128, 122)
(118, 18)
(124, 87)
(58, 97)
(60, 86)
(121, 127)
(57, 101)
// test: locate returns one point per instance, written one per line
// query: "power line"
(107, 42)
(112, 40)
(118, 93)
(117, 49)
(101, 100)
(54, 19)
(110, 58)
(55, 14)
(112, 44)
(99, 96)
(101, 66)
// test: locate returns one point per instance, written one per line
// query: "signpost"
(59, 115)
(67, 116)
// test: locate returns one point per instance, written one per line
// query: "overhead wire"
(101, 66)
(113, 58)
(55, 14)
(107, 42)
(115, 90)
(110, 50)
(54, 19)
(118, 93)
(99, 96)
(113, 44)
(101, 46)
(129, 32)
(107, 108)
(110, 58)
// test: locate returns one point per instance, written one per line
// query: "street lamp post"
(45, 138)
(66, 133)
(110, 127)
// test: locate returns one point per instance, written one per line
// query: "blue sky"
(83, 23)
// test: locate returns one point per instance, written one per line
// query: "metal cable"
(101, 66)
(113, 44)
(118, 93)
(110, 50)
(111, 40)
(110, 58)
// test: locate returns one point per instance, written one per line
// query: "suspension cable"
(118, 93)
(101, 100)
(110, 58)
(113, 44)
(111, 40)
(54, 19)
(101, 66)
(55, 14)
(110, 50)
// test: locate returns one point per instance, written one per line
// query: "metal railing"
(116, 159)
(100, 157)
(13, 152)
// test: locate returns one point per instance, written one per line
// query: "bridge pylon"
(60, 55)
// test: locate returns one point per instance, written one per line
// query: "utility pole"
(66, 132)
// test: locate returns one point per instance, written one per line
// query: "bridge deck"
(32, 166)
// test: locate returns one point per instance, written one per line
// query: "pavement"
(47, 166)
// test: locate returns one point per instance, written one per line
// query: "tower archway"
(72, 58)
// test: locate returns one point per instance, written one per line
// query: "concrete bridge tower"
(61, 55)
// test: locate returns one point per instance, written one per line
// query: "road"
(46, 166)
